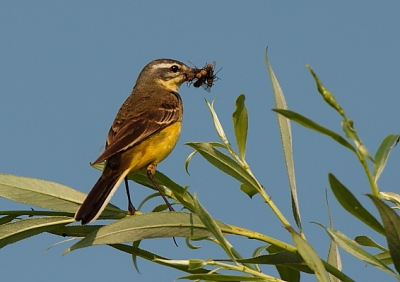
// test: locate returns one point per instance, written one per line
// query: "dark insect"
(205, 77)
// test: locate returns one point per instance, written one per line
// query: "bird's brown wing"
(129, 132)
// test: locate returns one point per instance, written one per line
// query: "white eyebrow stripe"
(162, 66)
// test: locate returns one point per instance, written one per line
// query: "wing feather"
(129, 132)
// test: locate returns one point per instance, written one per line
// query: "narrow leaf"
(195, 264)
(333, 252)
(250, 191)
(224, 163)
(392, 197)
(192, 246)
(310, 256)
(7, 219)
(315, 126)
(326, 94)
(74, 230)
(213, 227)
(42, 193)
(154, 258)
(188, 159)
(217, 124)
(134, 256)
(148, 198)
(25, 228)
(354, 249)
(391, 223)
(352, 205)
(351, 133)
(240, 125)
(368, 242)
(384, 257)
(282, 258)
(286, 273)
(334, 259)
(286, 138)
(146, 226)
(181, 194)
(382, 154)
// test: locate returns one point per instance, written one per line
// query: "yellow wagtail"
(144, 132)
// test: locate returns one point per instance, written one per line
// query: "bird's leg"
(151, 169)
(131, 208)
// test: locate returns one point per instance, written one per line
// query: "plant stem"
(371, 181)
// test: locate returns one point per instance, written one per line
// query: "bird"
(143, 133)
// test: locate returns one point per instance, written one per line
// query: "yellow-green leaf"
(18, 230)
(352, 205)
(240, 125)
(391, 224)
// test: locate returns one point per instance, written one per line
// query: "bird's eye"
(174, 68)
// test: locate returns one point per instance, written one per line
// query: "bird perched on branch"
(144, 132)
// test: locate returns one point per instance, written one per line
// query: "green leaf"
(333, 252)
(180, 193)
(352, 205)
(392, 197)
(75, 230)
(31, 212)
(351, 133)
(384, 257)
(224, 163)
(354, 249)
(154, 258)
(196, 264)
(315, 126)
(134, 256)
(310, 256)
(382, 154)
(7, 219)
(391, 223)
(326, 94)
(15, 231)
(188, 159)
(189, 243)
(334, 259)
(286, 138)
(240, 125)
(282, 258)
(217, 123)
(250, 191)
(213, 227)
(146, 226)
(368, 242)
(286, 273)
(148, 198)
(42, 193)
(259, 250)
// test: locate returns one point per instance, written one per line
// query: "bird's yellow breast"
(154, 149)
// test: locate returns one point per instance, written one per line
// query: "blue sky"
(66, 67)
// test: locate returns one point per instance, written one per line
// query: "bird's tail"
(100, 195)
